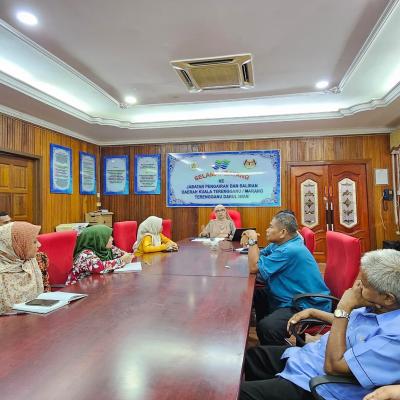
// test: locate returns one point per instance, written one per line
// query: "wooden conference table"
(176, 330)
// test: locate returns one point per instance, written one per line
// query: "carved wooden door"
(16, 187)
(331, 197)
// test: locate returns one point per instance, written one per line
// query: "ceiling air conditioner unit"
(216, 73)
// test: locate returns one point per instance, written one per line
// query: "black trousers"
(271, 324)
(260, 366)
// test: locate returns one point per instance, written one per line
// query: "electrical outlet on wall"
(388, 194)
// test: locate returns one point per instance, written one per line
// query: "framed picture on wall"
(147, 174)
(116, 175)
(60, 169)
(87, 173)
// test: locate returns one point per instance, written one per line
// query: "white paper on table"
(208, 240)
(131, 267)
(240, 249)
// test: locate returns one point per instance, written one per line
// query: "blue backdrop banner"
(242, 179)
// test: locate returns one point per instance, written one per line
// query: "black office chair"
(327, 379)
(312, 326)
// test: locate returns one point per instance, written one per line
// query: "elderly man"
(364, 343)
(288, 269)
(4, 218)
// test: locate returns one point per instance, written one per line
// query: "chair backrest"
(309, 238)
(167, 228)
(124, 234)
(342, 262)
(59, 247)
(235, 216)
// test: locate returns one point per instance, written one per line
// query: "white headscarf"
(151, 226)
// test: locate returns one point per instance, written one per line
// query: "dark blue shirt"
(289, 269)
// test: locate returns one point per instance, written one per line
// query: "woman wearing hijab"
(20, 276)
(150, 239)
(222, 227)
(95, 254)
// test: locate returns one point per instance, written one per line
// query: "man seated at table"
(364, 343)
(4, 218)
(288, 269)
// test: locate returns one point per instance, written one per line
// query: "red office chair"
(342, 268)
(309, 238)
(124, 234)
(59, 248)
(235, 216)
(167, 228)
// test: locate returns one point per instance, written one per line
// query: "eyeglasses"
(221, 209)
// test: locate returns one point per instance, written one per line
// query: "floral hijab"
(20, 275)
(17, 246)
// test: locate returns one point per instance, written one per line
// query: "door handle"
(327, 212)
(331, 212)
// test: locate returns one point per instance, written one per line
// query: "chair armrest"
(326, 379)
(300, 342)
(299, 297)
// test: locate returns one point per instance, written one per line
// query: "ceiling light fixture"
(130, 100)
(27, 18)
(322, 84)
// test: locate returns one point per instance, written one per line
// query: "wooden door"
(309, 191)
(331, 197)
(17, 195)
(348, 190)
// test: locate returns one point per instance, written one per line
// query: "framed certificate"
(148, 174)
(116, 175)
(60, 169)
(87, 173)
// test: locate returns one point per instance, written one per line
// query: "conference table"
(175, 330)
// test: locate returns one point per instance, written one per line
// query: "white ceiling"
(72, 70)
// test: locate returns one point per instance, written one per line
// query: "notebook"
(61, 299)
(238, 234)
(131, 267)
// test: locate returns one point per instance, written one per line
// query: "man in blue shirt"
(287, 268)
(364, 342)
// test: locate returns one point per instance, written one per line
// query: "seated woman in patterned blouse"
(20, 276)
(95, 254)
(150, 239)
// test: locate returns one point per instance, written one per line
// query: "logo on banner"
(221, 164)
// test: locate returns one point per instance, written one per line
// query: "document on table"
(131, 267)
(207, 240)
(48, 302)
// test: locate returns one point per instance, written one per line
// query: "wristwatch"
(252, 242)
(341, 314)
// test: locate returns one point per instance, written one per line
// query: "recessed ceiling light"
(322, 84)
(27, 18)
(130, 99)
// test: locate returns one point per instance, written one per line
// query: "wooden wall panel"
(18, 136)
(21, 137)
(187, 221)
